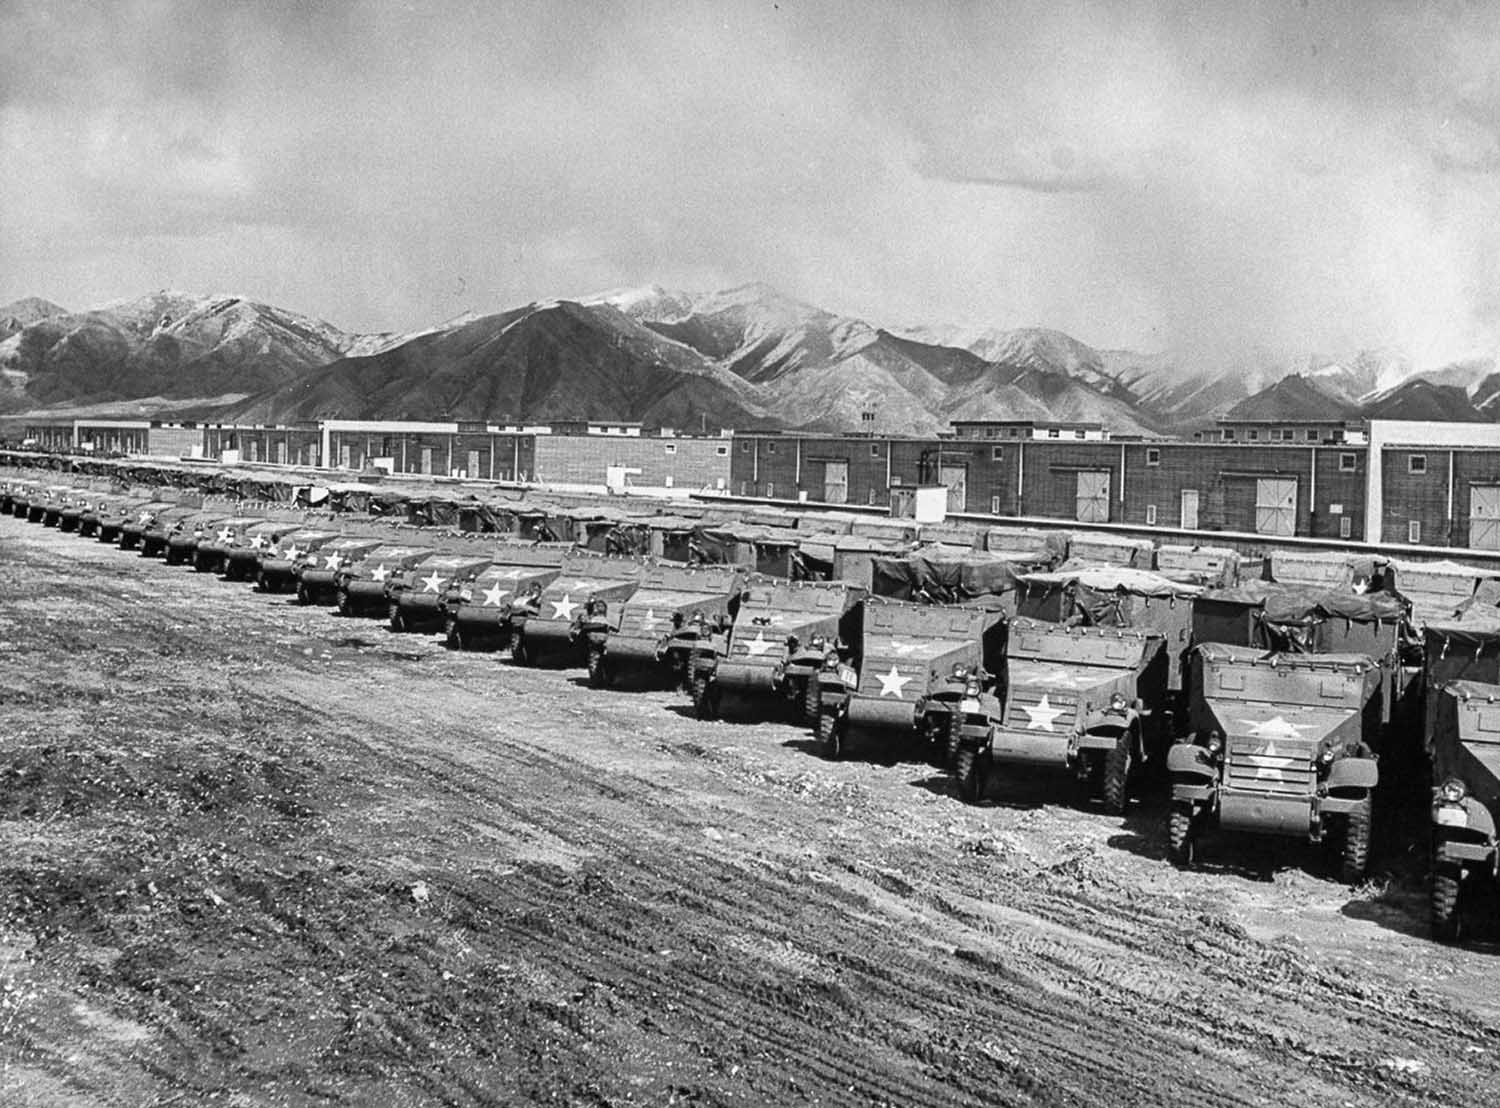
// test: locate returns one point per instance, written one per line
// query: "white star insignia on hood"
(563, 609)
(493, 594)
(758, 645)
(432, 583)
(893, 683)
(1278, 727)
(379, 573)
(1043, 714)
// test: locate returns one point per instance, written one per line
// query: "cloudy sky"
(1211, 177)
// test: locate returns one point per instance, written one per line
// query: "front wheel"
(1182, 835)
(705, 702)
(173, 555)
(1354, 862)
(812, 701)
(1116, 778)
(304, 594)
(234, 571)
(1446, 903)
(345, 603)
(831, 735)
(397, 618)
(598, 668)
(971, 767)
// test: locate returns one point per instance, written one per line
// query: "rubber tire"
(1447, 897)
(1182, 836)
(955, 733)
(831, 735)
(598, 668)
(345, 603)
(397, 619)
(522, 654)
(1354, 860)
(127, 542)
(812, 701)
(304, 594)
(971, 767)
(1116, 784)
(704, 701)
(233, 571)
(173, 556)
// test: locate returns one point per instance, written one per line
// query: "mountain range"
(742, 357)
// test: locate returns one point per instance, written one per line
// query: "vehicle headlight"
(971, 687)
(1452, 791)
(831, 658)
(792, 643)
(1215, 742)
(1327, 755)
(598, 608)
(1117, 703)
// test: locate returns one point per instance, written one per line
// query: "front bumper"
(1240, 810)
(553, 635)
(747, 677)
(865, 712)
(1037, 748)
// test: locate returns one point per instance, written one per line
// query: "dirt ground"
(252, 853)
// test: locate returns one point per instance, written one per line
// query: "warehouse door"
(1190, 509)
(836, 482)
(1093, 497)
(426, 459)
(957, 480)
(473, 470)
(1276, 506)
(1484, 517)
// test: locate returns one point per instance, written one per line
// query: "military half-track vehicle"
(660, 625)
(359, 586)
(140, 510)
(481, 613)
(1283, 744)
(275, 565)
(414, 594)
(241, 561)
(316, 571)
(548, 621)
(783, 635)
(56, 499)
(211, 554)
(141, 531)
(918, 665)
(1463, 742)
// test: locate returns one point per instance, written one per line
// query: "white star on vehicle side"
(893, 683)
(1278, 727)
(257, 542)
(226, 534)
(432, 583)
(379, 573)
(904, 648)
(758, 645)
(563, 609)
(493, 594)
(145, 517)
(1043, 714)
(334, 560)
(291, 552)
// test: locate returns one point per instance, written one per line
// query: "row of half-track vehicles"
(1284, 698)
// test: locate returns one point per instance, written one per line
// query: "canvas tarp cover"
(941, 578)
(1460, 650)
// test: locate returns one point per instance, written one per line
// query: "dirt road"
(258, 854)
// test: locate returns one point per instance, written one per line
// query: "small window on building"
(1414, 530)
(770, 448)
(1078, 434)
(872, 496)
(867, 417)
(1053, 433)
(744, 488)
(1254, 435)
(1347, 463)
(992, 432)
(1229, 434)
(671, 448)
(1312, 434)
(722, 451)
(770, 488)
(1346, 527)
(1150, 515)
(997, 453)
(1417, 463)
(994, 505)
(875, 451)
(1153, 456)
(744, 448)
(895, 479)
